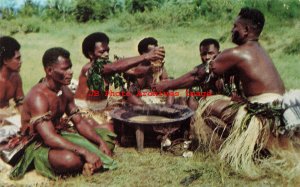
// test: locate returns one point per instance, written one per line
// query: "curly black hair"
(51, 55)
(256, 18)
(143, 44)
(88, 44)
(209, 41)
(8, 47)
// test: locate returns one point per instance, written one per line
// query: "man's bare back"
(249, 60)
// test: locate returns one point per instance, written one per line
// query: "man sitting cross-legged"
(56, 148)
(243, 133)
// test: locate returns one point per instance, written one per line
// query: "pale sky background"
(16, 4)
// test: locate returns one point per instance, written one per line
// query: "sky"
(16, 4)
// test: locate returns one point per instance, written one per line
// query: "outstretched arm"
(185, 81)
(138, 72)
(225, 61)
(124, 64)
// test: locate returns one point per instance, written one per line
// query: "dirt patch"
(30, 178)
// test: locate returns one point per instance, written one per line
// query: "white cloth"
(11, 126)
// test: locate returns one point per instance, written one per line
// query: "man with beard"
(56, 148)
(242, 131)
(10, 86)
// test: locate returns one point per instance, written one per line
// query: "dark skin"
(250, 62)
(64, 156)
(187, 80)
(207, 53)
(122, 65)
(146, 79)
(10, 81)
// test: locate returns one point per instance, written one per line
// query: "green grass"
(181, 44)
(150, 168)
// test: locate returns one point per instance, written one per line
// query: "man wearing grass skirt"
(245, 130)
(255, 123)
(53, 146)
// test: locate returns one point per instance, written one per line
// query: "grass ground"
(181, 43)
(150, 168)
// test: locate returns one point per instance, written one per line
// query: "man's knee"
(64, 161)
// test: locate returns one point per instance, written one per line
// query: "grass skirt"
(243, 145)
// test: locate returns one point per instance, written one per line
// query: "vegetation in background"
(179, 25)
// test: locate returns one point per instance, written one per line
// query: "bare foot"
(88, 169)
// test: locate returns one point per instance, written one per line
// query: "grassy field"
(181, 43)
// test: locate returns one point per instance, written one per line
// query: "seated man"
(10, 86)
(95, 48)
(154, 72)
(56, 148)
(198, 87)
(243, 133)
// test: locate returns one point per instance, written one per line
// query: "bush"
(23, 25)
(7, 13)
(94, 10)
(170, 15)
(278, 8)
(133, 6)
(293, 48)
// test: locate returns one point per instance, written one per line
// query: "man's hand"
(159, 87)
(103, 147)
(157, 53)
(93, 163)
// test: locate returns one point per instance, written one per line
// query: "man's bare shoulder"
(232, 55)
(15, 77)
(36, 94)
(85, 68)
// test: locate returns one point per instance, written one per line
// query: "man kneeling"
(55, 147)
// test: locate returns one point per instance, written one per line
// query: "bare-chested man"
(10, 79)
(246, 130)
(43, 109)
(208, 48)
(156, 73)
(95, 46)
(10, 86)
(254, 125)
